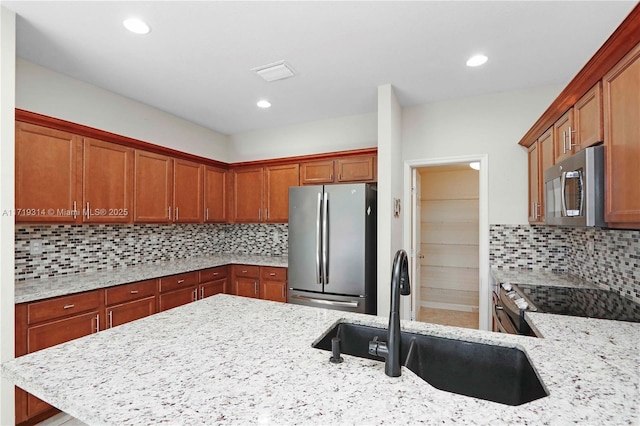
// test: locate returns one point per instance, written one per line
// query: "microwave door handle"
(318, 240)
(563, 201)
(581, 183)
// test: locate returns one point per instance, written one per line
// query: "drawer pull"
(134, 291)
(272, 274)
(180, 281)
(216, 273)
(68, 306)
(244, 271)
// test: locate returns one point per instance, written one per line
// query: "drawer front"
(60, 331)
(273, 273)
(213, 274)
(61, 307)
(175, 282)
(130, 311)
(246, 271)
(127, 292)
(177, 298)
(211, 288)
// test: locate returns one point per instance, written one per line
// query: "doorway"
(448, 240)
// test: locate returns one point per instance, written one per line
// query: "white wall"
(7, 149)
(490, 124)
(336, 134)
(50, 93)
(390, 183)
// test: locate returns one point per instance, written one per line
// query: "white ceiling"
(196, 61)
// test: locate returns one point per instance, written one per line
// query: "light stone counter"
(233, 360)
(537, 277)
(38, 289)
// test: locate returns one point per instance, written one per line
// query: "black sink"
(494, 373)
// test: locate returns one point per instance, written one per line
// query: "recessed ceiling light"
(476, 60)
(136, 25)
(263, 103)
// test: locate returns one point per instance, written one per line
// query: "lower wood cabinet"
(129, 302)
(265, 282)
(212, 281)
(177, 290)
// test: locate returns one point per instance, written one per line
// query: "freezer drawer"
(329, 301)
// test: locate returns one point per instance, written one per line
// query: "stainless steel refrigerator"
(332, 247)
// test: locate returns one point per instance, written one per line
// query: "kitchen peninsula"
(234, 360)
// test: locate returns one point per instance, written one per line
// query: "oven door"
(501, 321)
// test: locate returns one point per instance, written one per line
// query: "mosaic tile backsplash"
(70, 249)
(609, 258)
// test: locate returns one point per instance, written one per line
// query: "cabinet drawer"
(130, 311)
(273, 273)
(174, 282)
(177, 298)
(61, 307)
(60, 331)
(213, 274)
(127, 292)
(246, 271)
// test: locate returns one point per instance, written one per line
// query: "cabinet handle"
(571, 144)
(75, 212)
(282, 288)
(564, 142)
(206, 214)
(339, 176)
(201, 292)
(169, 212)
(68, 306)
(266, 214)
(195, 294)
(97, 322)
(273, 274)
(538, 211)
(259, 214)
(216, 273)
(88, 211)
(244, 271)
(180, 281)
(255, 288)
(110, 319)
(134, 292)
(177, 214)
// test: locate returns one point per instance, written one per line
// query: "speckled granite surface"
(539, 277)
(30, 290)
(233, 360)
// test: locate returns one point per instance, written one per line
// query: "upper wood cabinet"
(187, 192)
(48, 177)
(153, 193)
(540, 159)
(107, 182)
(588, 118)
(262, 194)
(564, 136)
(277, 181)
(621, 88)
(348, 169)
(215, 195)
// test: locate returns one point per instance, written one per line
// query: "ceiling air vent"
(275, 71)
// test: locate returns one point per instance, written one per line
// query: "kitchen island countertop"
(234, 360)
(62, 285)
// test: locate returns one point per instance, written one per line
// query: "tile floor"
(61, 419)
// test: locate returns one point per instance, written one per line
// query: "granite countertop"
(234, 360)
(43, 288)
(540, 278)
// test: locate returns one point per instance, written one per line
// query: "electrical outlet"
(35, 247)
(591, 246)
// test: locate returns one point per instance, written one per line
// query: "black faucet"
(400, 285)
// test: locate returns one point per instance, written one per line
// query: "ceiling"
(196, 62)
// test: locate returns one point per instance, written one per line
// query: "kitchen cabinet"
(621, 87)
(153, 193)
(212, 281)
(262, 194)
(215, 195)
(188, 192)
(564, 137)
(46, 323)
(246, 280)
(107, 182)
(48, 175)
(129, 302)
(588, 118)
(177, 290)
(273, 284)
(341, 170)
(540, 158)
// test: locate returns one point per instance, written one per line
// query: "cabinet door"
(107, 182)
(187, 192)
(176, 298)
(564, 136)
(248, 287)
(48, 178)
(588, 118)
(622, 142)
(355, 169)
(534, 183)
(152, 189)
(273, 290)
(247, 198)
(63, 330)
(215, 195)
(130, 311)
(277, 180)
(211, 288)
(316, 172)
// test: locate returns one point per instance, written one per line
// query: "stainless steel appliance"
(574, 190)
(332, 247)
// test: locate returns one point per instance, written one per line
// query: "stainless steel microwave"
(574, 190)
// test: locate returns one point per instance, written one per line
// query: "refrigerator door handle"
(325, 240)
(318, 240)
(326, 302)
